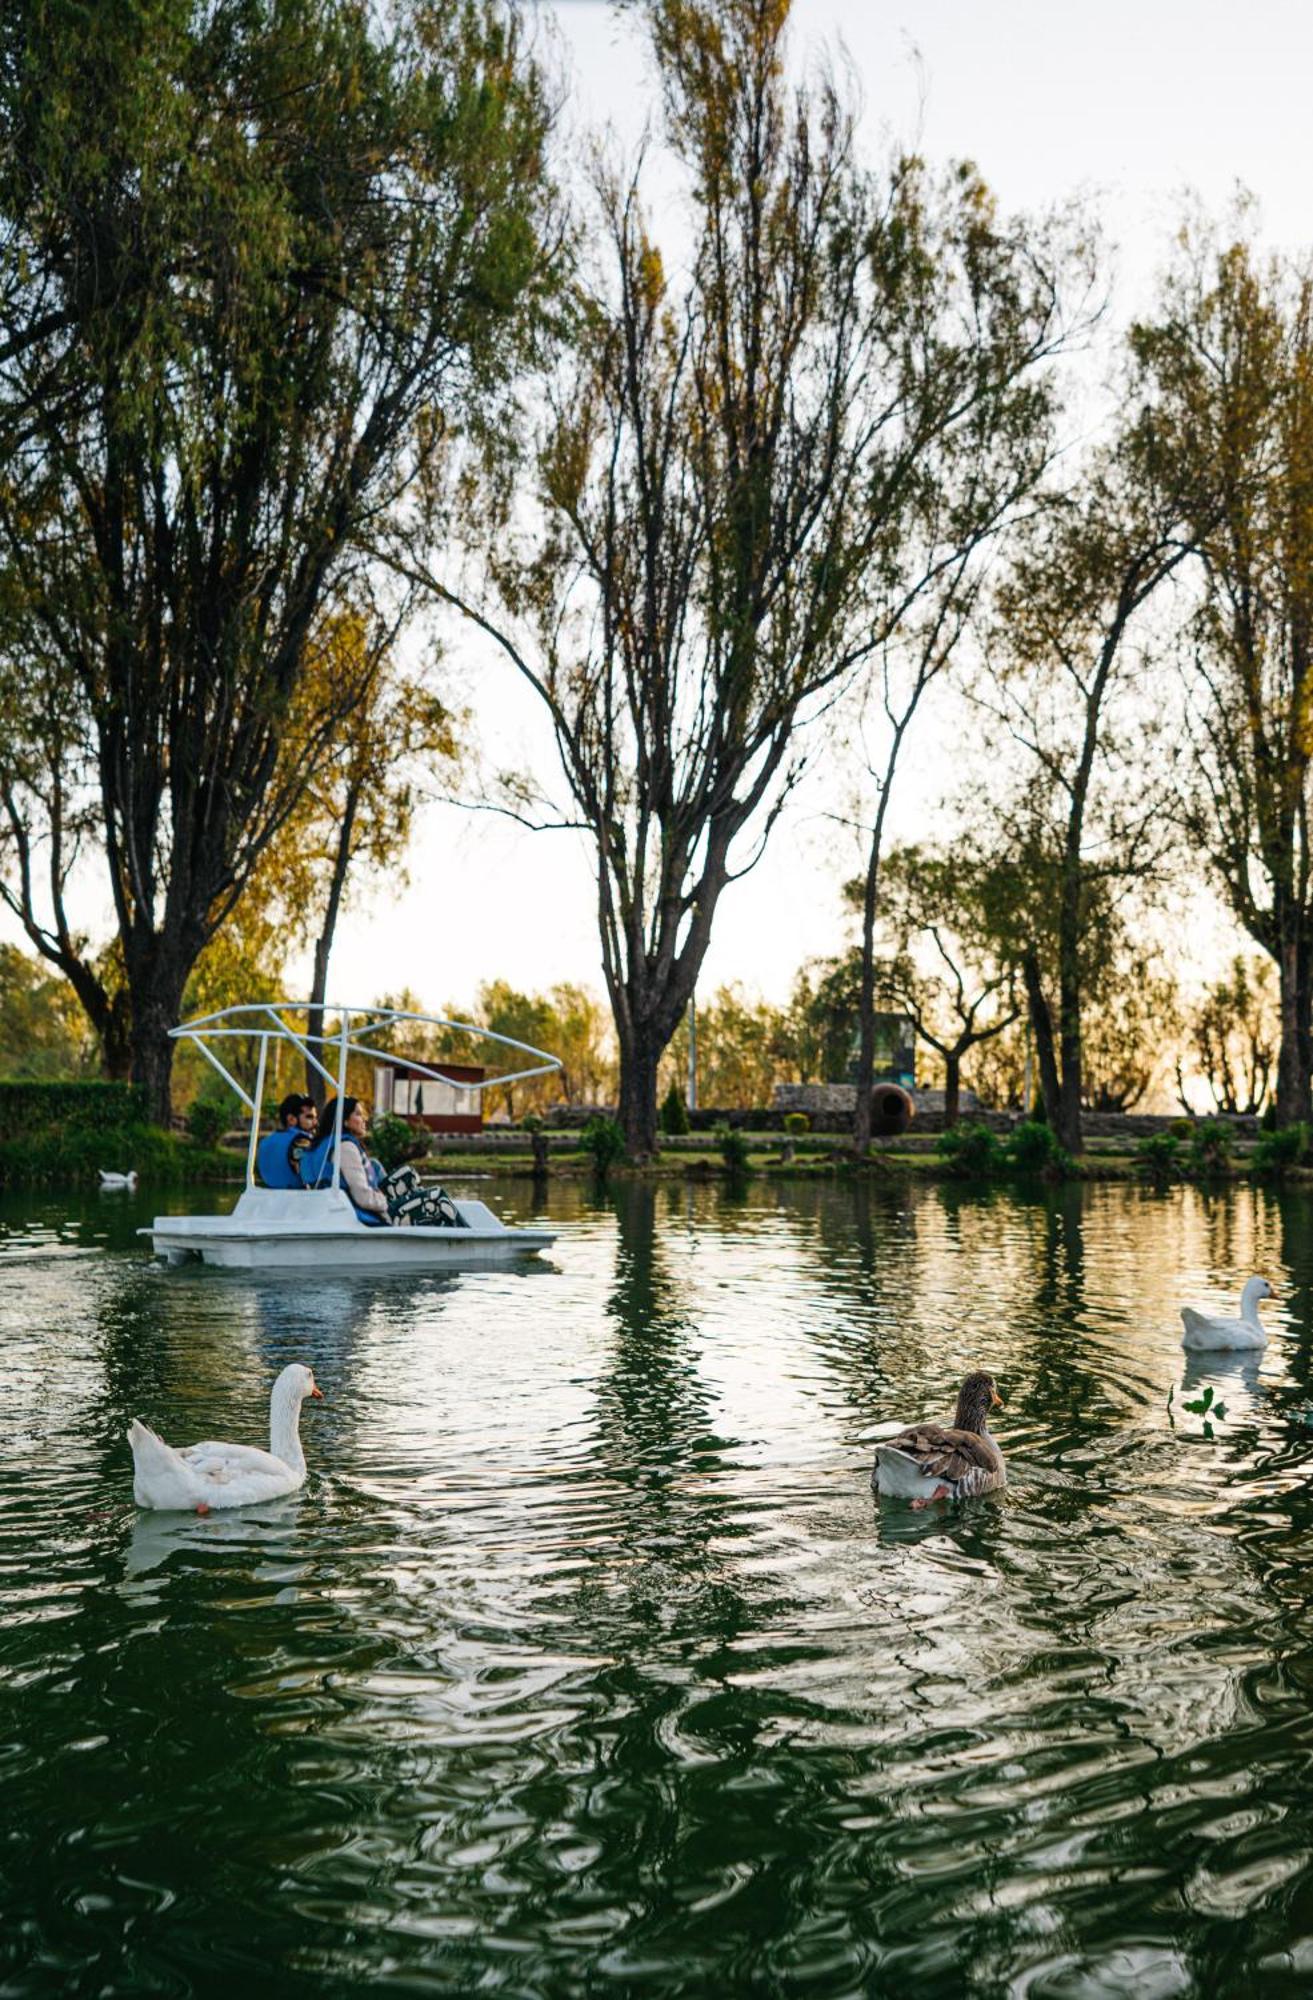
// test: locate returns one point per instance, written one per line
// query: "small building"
(403, 1089)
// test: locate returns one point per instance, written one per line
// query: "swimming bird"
(1204, 1332)
(226, 1475)
(945, 1461)
(108, 1180)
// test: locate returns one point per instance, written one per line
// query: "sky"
(1124, 107)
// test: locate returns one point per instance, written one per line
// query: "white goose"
(1203, 1332)
(111, 1182)
(226, 1475)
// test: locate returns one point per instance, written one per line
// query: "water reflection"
(585, 1659)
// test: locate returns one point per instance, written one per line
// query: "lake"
(586, 1661)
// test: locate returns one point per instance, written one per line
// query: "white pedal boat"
(301, 1229)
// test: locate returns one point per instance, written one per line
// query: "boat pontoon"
(300, 1228)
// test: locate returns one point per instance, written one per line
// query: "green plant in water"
(603, 1138)
(1204, 1406)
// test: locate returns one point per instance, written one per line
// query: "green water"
(586, 1663)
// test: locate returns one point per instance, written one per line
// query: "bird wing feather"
(948, 1454)
(220, 1462)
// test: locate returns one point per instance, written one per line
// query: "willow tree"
(1229, 356)
(257, 262)
(730, 474)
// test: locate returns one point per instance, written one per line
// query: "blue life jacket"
(273, 1161)
(317, 1172)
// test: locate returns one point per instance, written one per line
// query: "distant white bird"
(112, 1182)
(226, 1475)
(1203, 1332)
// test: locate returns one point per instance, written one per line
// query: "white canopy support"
(264, 1021)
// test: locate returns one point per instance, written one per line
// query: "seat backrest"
(273, 1161)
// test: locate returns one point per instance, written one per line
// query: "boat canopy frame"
(264, 1019)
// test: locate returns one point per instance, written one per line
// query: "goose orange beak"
(996, 1402)
(317, 1393)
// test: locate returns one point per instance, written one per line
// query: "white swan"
(1203, 1332)
(108, 1180)
(226, 1475)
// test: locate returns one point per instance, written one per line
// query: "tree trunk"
(640, 1054)
(152, 1049)
(1292, 1067)
(870, 906)
(1041, 1026)
(952, 1090)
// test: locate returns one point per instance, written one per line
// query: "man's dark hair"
(292, 1106)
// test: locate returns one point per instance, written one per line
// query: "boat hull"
(272, 1230)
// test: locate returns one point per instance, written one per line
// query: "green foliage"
(43, 1031)
(1033, 1148)
(208, 1118)
(1158, 1157)
(970, 1151)
(75, 1155)
(674, 1113)
(392, 1140)
(1210, 1148)
(603, 1138)
(90, 1106)
(796, 1123)
(273, 265)
(733, 1148)
(1277, 1151)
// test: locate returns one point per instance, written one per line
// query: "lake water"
(586, 1662)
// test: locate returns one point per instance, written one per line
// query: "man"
(278, 1158)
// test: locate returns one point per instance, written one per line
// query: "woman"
(361, 1177)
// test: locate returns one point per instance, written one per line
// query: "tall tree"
(1229, 356)
(956, 979)
(258, 262)
(731, 477)
(1064, 650)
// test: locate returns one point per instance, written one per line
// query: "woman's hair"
(328, 1116)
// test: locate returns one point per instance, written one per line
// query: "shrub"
(674, 1113)
(1159, 1157)
(1033, 1148)
(71, 1158)
(796, 1123)
(1210, 1147)
(1182, 1128)
(733, 1148)
(1276, 1151)
(603, 1138)
(208, 1120)
(970, 1151)
(392, 1140)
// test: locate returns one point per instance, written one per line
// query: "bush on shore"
(75, 1155)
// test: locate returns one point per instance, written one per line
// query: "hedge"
(75, 1157)
(30, 1107)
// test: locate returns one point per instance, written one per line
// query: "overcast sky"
(1126, 105)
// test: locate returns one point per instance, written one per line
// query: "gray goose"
(945, 1461)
